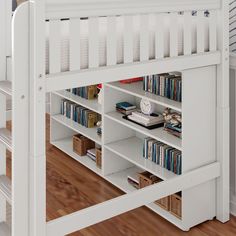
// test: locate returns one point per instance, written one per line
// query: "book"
(125, 106)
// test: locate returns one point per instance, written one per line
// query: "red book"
(129, 81)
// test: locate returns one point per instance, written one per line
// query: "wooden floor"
(71, 187)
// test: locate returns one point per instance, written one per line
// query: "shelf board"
(131, 149)
(6, 138)
(136, 89)
(66, 145)
(5, 188)
(90, 133)
(6, 87)
(92, 105)
(158, 134)
(119, 179)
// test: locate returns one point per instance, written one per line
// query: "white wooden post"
(223, 111)
(20, 122)
(37, 120)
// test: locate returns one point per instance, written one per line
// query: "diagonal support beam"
(120, 205)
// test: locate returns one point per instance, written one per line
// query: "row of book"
(163, 155)
(79, 114)
(166, 85)
(88, 92)
(173, 129)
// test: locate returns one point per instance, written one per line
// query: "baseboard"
(233, 204)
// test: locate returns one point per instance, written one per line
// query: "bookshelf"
(122, 141)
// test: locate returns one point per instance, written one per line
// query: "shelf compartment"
(90, 133)
(158, 134)
(5, 229)
(119, 179)
(131, 149)
(5, 188)
(136, 89)
(92, 105)
(66, 145)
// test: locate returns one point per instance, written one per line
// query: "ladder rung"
(5, 229)
(5, 188)
(5, 87)
(5, 138)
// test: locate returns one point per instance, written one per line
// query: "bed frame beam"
(56, 9)
(66, 80)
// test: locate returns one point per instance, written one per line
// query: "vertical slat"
(93, 42)
(200, 32)
(128, 39)
(173, 35)
(54, 46)
(159, 37)
(144, 38)
(74, 44)
(213, 31)
(187, 33)
(2, 155)
(111, 41)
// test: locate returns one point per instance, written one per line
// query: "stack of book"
(88, 92)
(125, 108)
(163, 155)
(79, 114)
(147, 120)
(173, 129)
(166, 85)
(91, 153)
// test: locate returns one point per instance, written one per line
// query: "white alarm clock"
(147, 107)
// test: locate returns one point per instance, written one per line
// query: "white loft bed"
(202, 65)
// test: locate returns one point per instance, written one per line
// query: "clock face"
(146, 107)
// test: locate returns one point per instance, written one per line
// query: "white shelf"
(119, 179)
(158, 134)
(131, 149)
(90, 133)
(136, 89)
(90, 104)
(66, 145)
(6, 138)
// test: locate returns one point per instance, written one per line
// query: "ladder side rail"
(20, 121)
(37, 120)
(223, 117)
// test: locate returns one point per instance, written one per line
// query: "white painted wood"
(159, 37)
(200, 32)
(187, 33)
(37, 214)
(111, 41)
(20, 121)
(144, 37)
(74, 44)
(98, 213)
(54, 46)
(70, 79)
(3, 156)
(93, 42)
(6, 138)
(5, 87)
(5, 229)
(128, 39)
(3, 26)
(8, 27)
(223, 129)
(213, 31)
(82, 8)
(173, 35)
(5, 188)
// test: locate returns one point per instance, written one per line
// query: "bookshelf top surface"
(136, 89)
